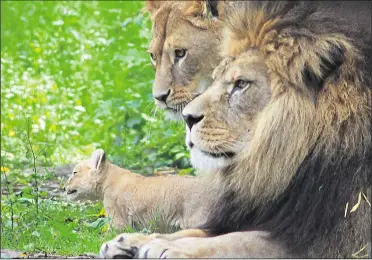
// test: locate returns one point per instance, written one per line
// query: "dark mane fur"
(309, 217)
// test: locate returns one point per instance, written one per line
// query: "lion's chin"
(203, 161)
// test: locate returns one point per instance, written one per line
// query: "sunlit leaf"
(4, 169)
(99, 223)
(36, 234)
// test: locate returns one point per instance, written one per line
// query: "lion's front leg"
(234, 245)
(126, 245)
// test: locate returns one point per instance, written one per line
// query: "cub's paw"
(161, 249)
(124, 245)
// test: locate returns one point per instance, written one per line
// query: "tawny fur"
(321, 122)
(184, 25)
(306, 152)
(130, 199)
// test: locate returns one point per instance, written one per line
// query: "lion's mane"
(310, 161)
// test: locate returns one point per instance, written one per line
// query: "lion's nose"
(192, 120)
(162, 97)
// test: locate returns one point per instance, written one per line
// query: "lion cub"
(136, 200)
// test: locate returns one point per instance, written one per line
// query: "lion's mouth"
(71, 191)
(219, 155)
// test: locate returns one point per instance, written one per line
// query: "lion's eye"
(74, 173)
(179, 53)
(240, 84)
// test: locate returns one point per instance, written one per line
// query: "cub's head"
(84, 184)
(183, 51)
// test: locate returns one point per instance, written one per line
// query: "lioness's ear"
(97, 159)
(201, 14)
(203, 9)
(212, 7)
(152, 6)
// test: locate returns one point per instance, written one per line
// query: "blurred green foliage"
(63, 228)
(78, 71)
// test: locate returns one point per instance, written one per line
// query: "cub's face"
(82, 184)
(223, 120)
(183, 53)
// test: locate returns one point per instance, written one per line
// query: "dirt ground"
(5, 253)
(53, 186)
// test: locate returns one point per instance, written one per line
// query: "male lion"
(183, 51)
(130, 199)
(287, 123)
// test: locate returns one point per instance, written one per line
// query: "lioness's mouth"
(71, 191)
(176, 108)
(172, 110)
(219, 155)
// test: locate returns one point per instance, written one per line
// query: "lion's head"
(286, 125)
(222, 121)
(183, 51)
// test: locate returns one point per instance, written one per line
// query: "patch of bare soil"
(52, 186)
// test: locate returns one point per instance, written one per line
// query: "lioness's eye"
(153, 57)
(74, 173)
(179, 53)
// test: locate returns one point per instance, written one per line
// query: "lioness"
(183, 50)
(132, 199)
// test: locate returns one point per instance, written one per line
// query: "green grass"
(34, 222)
(79, 72)
(60, 228)
(75, 76)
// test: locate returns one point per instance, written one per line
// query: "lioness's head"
(183, 51)
(86, 178)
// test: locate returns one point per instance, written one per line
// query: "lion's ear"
(152, 6)
(323, 60)
(97, 159)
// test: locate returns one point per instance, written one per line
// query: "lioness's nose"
(162, 97)
(192, 120)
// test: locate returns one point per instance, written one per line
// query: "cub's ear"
(97, 160)
(152, 6)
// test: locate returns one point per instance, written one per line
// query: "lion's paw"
(124, 245)
(161, 249)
